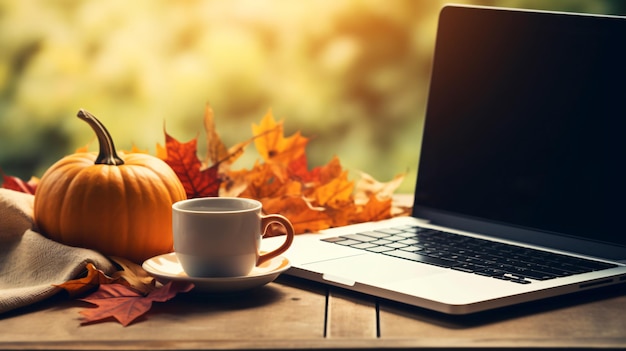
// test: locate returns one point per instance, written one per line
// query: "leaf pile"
(313, 200)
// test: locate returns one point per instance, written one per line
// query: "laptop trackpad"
(371, 269)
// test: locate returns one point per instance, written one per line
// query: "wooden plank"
(350, 316)
(276, 314)
(589, 319)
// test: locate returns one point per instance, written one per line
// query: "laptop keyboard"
(467, 254)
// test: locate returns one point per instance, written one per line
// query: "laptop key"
(359, 237)
(334, 239)
(379, 249)
(364, 246)
(381, 242)
(396, 245)
(347, 242)
(413, 256)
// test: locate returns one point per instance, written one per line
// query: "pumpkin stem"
(107, 154)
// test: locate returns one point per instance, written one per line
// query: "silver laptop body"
(522, 145)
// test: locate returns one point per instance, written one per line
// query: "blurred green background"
(350, 75)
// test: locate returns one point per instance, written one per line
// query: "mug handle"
(266, 220)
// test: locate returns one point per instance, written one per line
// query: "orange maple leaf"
(261, 182)
(334, 193)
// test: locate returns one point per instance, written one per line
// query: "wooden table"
(291, 313)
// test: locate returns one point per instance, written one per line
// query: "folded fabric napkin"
(29, 262)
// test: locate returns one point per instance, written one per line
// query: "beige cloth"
(30, 263)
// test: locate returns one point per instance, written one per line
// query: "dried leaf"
(216, 150)
(133, 275)
(367, 186)
(92, 280)
(125, 304)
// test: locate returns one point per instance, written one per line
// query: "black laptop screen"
(526, 122)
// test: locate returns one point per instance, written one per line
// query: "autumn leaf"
(274, 148)
(334, 193)
(367, 186)
(201, 179)
(298, 170)
(262, 183)
(17, 184)
(125, 304)
(374, 210)
(216, 150)
(133, 275)
(136, 150)
(183, 159)
(92, 280)
(302, 214)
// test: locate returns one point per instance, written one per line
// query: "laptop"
(520, 194)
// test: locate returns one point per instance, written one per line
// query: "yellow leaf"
(273, 147)
(336, 191)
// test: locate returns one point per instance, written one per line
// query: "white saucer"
(167, 268)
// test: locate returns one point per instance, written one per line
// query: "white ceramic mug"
(221, 236)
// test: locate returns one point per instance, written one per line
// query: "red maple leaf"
(17, 184)
(183, 159)
(125, 304)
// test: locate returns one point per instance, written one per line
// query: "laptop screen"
(526, 122)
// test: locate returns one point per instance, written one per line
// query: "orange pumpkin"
(119, 206)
